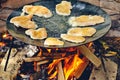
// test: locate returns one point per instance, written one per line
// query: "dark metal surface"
(57, 24)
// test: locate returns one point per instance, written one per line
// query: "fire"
(49, 50)
(51, 68)
(4, 35)
(71, 65)
(7, 36)
(2, 44)
(90, 44)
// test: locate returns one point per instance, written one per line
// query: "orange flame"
(2, 44)
(52, 65)
(6, 36)
(90, 44)
(53, 75)
(49, 50)
(51, 68)
(71, 65)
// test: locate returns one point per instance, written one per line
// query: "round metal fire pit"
(57, 24)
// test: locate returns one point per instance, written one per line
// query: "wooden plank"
(60, 71)
(88, 54)
(100, 74)
(32, 59)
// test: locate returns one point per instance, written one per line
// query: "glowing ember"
(7, 36)
(2, 44)
(90, 44)
(49, 50)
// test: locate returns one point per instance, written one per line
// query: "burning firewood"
(38, 59)
(60, 71)
(32, 59)
(87, 53)
(81, 68)
(43, 62)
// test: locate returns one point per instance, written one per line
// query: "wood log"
(88, 54)
(32, 59)
(60, 71)
(42, 62)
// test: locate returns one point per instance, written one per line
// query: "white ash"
(31, 50)
(25, 76)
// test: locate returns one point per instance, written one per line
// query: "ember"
(4, 39)
(2, 44)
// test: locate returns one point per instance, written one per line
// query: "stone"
(4, 13)
(13, 65)
(111, 12)
(113, 33)
(100, 74)
(117, 1)
(112, 5)
(94, 2)
(16, 3)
